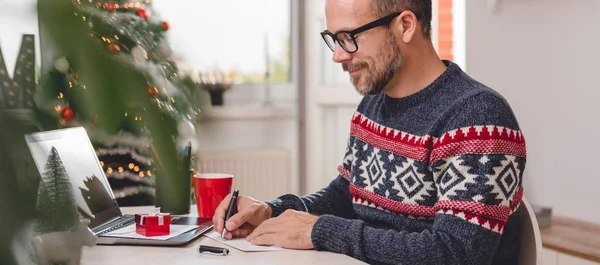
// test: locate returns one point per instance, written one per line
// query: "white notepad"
(129, 232)
(241, 243)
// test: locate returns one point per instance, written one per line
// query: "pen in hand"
(231, 210)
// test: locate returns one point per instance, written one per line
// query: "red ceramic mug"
(211, 189)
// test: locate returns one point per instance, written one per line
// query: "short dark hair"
(421, 8)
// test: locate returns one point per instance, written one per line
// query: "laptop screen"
(71, 149)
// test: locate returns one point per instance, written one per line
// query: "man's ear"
(407, 25)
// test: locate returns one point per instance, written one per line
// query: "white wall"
(17, 17)
(543, 55)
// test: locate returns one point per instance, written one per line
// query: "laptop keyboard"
(122, 222)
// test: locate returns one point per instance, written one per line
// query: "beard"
(380, 71)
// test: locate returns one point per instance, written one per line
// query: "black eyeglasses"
(346, 38)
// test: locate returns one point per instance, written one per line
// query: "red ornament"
(113, 47)
(153, 91)
(110, 6)
(67, 114)
(143, 13)
(165, 25)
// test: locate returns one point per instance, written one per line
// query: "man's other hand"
(292, 229)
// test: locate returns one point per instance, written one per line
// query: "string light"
(109, 170)
(101, 163)
(149, 173)
(125, 114)
(172, 100)
(70, 84)
(60, 95)
(131, 165)
(58, 108)
(83, 18)
(136, 169)
(116, 37)
(120, 169)
(141, 174)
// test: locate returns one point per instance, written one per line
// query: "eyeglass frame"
(373, 24)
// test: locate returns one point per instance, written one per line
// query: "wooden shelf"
(573, 237)
(248, 112)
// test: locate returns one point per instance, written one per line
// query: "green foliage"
(108, 91)
(16, 204)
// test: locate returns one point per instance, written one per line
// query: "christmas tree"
(55, 202)
(106, 66)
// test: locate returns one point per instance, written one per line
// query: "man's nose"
(339, 54)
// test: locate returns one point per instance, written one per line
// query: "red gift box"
(153, 224)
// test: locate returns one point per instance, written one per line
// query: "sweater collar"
(452, 71)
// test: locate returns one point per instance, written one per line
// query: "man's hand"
(292, 229)
(250, 214)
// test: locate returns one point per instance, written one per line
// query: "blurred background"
(279, 120)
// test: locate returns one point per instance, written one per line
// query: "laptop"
(91, 189)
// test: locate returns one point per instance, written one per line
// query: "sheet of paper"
(241, 243)
(129, 232)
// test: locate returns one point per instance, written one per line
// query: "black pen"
(215, 250)
(231, 210)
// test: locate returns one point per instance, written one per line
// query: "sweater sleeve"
(478, 174)
(335, 199)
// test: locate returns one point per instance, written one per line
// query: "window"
(240, 38)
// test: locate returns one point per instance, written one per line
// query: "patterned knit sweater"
(432, 178)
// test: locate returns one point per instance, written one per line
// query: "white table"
(189, 254)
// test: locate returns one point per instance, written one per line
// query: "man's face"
(378, 57)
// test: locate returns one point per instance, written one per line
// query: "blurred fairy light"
(109, 170)
(136, 169)
(120, 169)
(131, 165)
(149, 173)
(60, 95)
(141, 174)
(101, 163)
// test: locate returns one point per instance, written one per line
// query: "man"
(434, 164)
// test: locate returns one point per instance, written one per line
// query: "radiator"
(262, 174)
